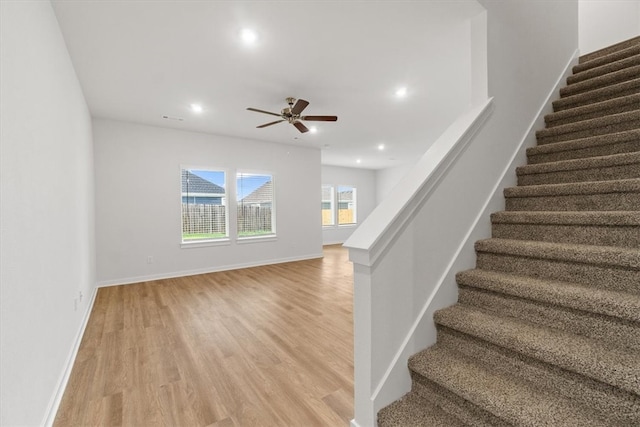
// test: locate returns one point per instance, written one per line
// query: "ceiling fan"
(292, 115)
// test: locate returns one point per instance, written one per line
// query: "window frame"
(336, 205)
(241, 239)
(332, 201)
(207, 241)
(354, 202)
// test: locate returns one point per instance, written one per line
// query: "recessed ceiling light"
(401, 92)
(381, 147)
(248, 36)
(196, 108)
(358, 161)
(313, 129)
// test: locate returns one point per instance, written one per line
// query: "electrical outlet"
(149, 259)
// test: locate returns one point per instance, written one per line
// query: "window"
(328, 215)
(346, 205)
(204, 205)
(344, 197)
(256, 213)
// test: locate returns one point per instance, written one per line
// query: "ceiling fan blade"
(262, 111)
(301, 127)
(320, 118)
(301, 104)
(271, 123)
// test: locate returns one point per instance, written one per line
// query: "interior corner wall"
(138, 209)
(47, 248)
(606, 22)
(387, 179)
(364, 180)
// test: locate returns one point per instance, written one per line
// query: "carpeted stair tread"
(600, 82)
(584, 112)
(413, 410)
(591, 127)
(626, 258)
(568, 351)
(601, 168)
(621, 407)
(609, 331)
(608, 144)
(614, 228)
(609, 67)
(617, 90)
(609, 50)
(575, 188)
(632, 50)
(506, 397)
(573, 295)
(613, 218)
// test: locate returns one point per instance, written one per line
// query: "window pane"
(327, 205)
(346, 205)
(255, 205)
(204, 205)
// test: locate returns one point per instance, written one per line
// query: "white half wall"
(47, 248)
(364, 180)
(606, 22)
(138, 210)
(406, 270)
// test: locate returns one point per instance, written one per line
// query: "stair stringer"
(393, 381)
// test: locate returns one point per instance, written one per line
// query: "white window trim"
(355, 210)
(221, 241)
(266, 237)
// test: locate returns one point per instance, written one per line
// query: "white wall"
(365, 182)
(606, 22)
(47, 244)
(387, 179)
(138, 211)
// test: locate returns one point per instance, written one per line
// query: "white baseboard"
(354, 423)
(54, 403)
(183, 273)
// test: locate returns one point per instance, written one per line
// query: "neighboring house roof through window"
(262, 194)
(199, 186)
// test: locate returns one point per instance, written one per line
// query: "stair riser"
(453, 404)
(617, 332)
(625, 236)
(599, 95)
(601, 277)
(607, 68)
(584, 132)
(627, 171)
(586, 152)
(615, 56)
(609, 50)
(580, 202)
(607, 80)
(553, 121)
(624, 407)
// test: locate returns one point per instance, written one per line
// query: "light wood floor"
(264, 346)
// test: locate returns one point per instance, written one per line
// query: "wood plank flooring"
(264, 346)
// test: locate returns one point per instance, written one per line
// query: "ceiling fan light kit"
(292, 115)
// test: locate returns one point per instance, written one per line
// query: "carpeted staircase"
(546, 331)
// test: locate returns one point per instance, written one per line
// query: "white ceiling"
(140, 60)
